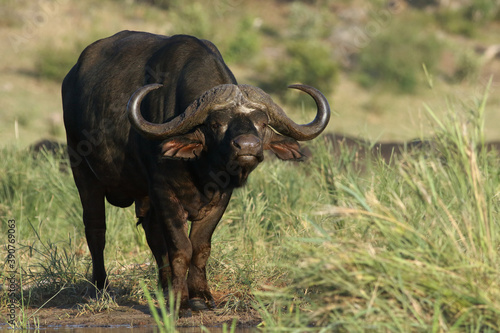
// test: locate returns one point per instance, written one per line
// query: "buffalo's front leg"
(156, 241)
(169, 221)
(155, 237)
(201, 236)
(179, 252)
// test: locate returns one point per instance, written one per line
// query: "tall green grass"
(411, 247)
(51, 250)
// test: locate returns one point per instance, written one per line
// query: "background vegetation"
(411, 246)
(367, 56)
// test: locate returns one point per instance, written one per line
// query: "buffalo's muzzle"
(248, 149)
(247, 143)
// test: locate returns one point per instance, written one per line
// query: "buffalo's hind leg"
(201, 236)
(92, 198)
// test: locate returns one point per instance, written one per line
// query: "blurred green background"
(368, 57)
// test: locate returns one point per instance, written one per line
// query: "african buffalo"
(161, 122)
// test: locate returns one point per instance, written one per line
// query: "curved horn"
(318, 125)
(284, 125)
(213, 99)
(134, 112)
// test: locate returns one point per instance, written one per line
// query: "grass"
(166, 322)
(386, 61)
(409, 248)
(51, 250)
(316, 246)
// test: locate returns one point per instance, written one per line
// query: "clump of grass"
(245, 44)
(453, 21)
(417, 249)
(192, 19)
(104, 302)
(483, 11)
(306, 61)
(468, 66)
(309, 22)
(166, 322)
(307, 57)
(394, 57)
(468, 19)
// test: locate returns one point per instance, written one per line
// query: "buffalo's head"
(235, 124)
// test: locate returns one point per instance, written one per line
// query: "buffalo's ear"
(284, 147)
(184, 147)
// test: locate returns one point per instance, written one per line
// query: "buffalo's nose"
(247, 144)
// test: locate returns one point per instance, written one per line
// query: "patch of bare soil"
(134, 315)
(137, 315)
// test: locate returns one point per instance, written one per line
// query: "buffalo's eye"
(262, 125)
(215, 125)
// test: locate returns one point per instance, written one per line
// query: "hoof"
(197, 304)
(211, 304)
